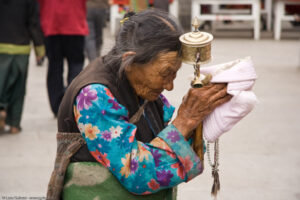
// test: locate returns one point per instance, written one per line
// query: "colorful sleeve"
(142, 168)
(167, 108)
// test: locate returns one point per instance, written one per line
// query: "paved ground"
(259, 157)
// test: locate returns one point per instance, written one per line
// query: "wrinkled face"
(150, 79)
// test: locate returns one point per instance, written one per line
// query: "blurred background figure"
(64, 26)
(162, 4)
(96, 19)
(19, 24)
(138, 5)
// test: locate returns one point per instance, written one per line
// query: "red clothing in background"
(67, 17)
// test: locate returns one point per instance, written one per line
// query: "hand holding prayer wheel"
(197, 104)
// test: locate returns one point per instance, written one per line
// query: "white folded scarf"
(240, 76)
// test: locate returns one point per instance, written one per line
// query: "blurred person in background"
(64, 25)
(96, 18)
(19, 24)
(162, 4)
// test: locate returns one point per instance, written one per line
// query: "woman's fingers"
(217, 103)
(220, 101)
(218, 95)
(203, 100)
(198, 103)
(211, 89)
(192, 98)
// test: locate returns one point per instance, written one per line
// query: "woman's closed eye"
(168, 73)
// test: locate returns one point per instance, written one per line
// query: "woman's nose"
(169, 86)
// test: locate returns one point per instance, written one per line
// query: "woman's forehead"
(170, 55)
(170, 58)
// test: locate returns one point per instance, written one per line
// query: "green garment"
(14, 49)
(13, 75)
(92, 181)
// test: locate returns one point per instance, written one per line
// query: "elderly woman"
(130, 149)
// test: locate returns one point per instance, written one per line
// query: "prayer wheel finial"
(196, 24)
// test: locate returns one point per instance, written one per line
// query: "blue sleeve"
(142, 168)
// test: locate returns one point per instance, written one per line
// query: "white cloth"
(240, 76)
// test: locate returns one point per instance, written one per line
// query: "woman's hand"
(197, 104)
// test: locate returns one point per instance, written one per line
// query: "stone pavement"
(260, 156)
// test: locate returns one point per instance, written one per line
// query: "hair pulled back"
(146, 33)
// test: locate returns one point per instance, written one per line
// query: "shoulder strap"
(67, 145)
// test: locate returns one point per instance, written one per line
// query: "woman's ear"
(127, 54)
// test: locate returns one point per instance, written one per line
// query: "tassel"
(216, 185)
(136, 117)
(215, 171)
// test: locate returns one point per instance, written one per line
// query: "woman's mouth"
(157, 93)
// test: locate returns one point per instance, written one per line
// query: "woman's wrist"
(182, 126)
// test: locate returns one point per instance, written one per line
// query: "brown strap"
(67, 145)
(136, 117)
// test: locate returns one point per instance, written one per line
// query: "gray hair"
(146, 33)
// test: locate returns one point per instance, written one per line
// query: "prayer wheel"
(196, 42)
(196, 50)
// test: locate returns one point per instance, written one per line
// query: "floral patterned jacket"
(142, 168)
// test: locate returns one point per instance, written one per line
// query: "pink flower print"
(173, 136)
(164, 177)
(115, 104)
(106, 135)
(180, 170)
(85, 98)
(101, 158)
(186, 162)
(153, 184)
(108, 93)
(131, 138)
(171, 154)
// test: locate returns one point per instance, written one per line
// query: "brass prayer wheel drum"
(196, 42)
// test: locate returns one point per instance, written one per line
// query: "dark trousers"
(13, 75)
(59, 47)
(96, 22)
